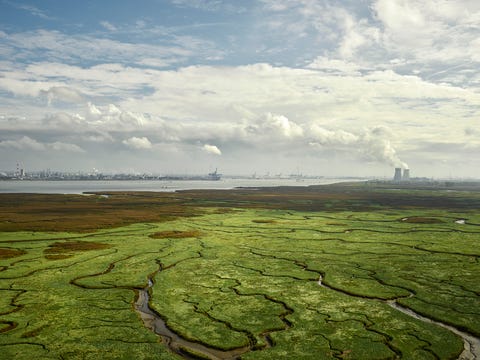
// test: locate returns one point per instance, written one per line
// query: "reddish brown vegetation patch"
(10, 253)
(175, 234)
(63, 250)
(44, 212)
(56, 212)
(422, 220)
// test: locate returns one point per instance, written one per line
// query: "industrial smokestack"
(406, 175)
(398, 174)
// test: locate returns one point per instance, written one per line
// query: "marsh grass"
(243, 274)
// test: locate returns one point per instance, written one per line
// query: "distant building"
(398, 174)
(406, 175)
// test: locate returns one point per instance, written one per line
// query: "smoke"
(372, 144)
(377, 146)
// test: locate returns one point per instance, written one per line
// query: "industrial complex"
(398, 176)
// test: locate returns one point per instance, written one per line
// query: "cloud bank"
(352, 87)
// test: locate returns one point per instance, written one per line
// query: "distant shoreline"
(82, 186)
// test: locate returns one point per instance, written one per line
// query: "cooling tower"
(398, 174)
(406, 175)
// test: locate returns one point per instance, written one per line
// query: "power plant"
(398, 174)
(397, 177)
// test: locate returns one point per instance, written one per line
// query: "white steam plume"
(371, 144)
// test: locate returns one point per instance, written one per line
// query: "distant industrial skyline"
(334, 88)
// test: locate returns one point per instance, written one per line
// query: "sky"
(318, 87)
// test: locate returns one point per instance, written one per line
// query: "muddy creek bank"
(471, 344)
(183, 347)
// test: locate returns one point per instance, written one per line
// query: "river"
(80, 186)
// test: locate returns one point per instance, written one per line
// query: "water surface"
(80, 186)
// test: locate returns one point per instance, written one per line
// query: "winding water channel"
(187, 349)
(175, 343)
(471, 344)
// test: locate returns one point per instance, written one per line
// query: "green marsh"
(279, 283)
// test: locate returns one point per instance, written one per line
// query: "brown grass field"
(80, 213)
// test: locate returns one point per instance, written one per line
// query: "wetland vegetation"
(349, 271)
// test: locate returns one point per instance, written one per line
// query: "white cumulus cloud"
(211, 149)
(108, 25)
(61, 146)
(26, 143)
(138, 143)
(62, 93)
